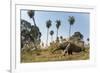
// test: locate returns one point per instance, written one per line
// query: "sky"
(81, 23)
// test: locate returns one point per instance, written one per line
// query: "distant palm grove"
(33, 49)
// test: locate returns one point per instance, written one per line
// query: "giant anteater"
(69, 48)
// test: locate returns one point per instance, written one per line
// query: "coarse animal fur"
(69, 48)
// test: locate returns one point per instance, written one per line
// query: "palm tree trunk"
(57, 34)
(51, 38)
(47, 37)
(34, 21)
(69, 31)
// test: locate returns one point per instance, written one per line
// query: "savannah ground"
(46, 55)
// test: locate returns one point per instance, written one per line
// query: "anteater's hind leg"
(70, 53)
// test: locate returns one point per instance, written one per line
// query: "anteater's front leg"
(66, 49)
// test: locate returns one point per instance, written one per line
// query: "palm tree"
(51, 33)
(88, 40)
(71, 21)
(48, 24)
(57, 40)
(61, 38)
(58, 23)
(35, 33)
(31, 14)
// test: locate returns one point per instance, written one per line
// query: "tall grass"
(45, 55)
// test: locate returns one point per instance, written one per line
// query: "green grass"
(47, 55)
